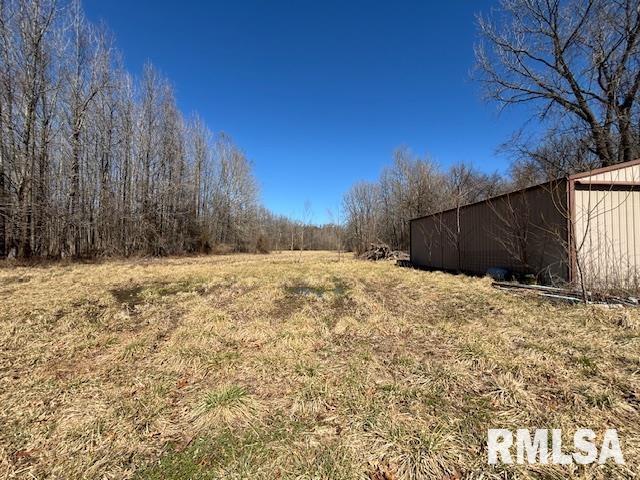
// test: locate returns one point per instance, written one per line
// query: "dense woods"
(96, 162)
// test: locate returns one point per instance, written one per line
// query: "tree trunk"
(71, 239)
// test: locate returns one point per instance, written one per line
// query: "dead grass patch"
(249, 366)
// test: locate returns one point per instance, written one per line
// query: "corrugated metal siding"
(524, 232)
(608, 229)
(624, 174)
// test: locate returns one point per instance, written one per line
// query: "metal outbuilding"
(583, 226)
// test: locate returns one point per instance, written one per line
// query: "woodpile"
(382, 251)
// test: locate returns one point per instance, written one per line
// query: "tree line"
(94, 161)
(411, 187)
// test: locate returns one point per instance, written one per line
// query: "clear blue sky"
(320, 93)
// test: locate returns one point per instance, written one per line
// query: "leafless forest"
(94, 161)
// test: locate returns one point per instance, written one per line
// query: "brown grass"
(268, 367)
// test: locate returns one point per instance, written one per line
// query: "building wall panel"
(524, 232)
(607, 234)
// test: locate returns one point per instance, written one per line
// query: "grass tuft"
(231, 397)
(228, 405)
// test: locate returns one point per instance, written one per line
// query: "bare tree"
(361, 206)
(235, 194)
(411, 187)
(335, 221)
(513, 226)
(28, 52)
(576, 60)
(307, 215)
(462, 189)
(86, 75)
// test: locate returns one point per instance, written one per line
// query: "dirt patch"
(169, 289)
(129, 297)
(335, 300)
(338, 289)
(132, 296)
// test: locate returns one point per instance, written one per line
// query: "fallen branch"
(573, 296)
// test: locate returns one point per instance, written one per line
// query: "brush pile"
(382, 251)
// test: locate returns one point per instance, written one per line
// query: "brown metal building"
(583, 226)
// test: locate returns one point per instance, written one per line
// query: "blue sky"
(320, 93)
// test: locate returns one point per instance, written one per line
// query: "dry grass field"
(273, 367)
